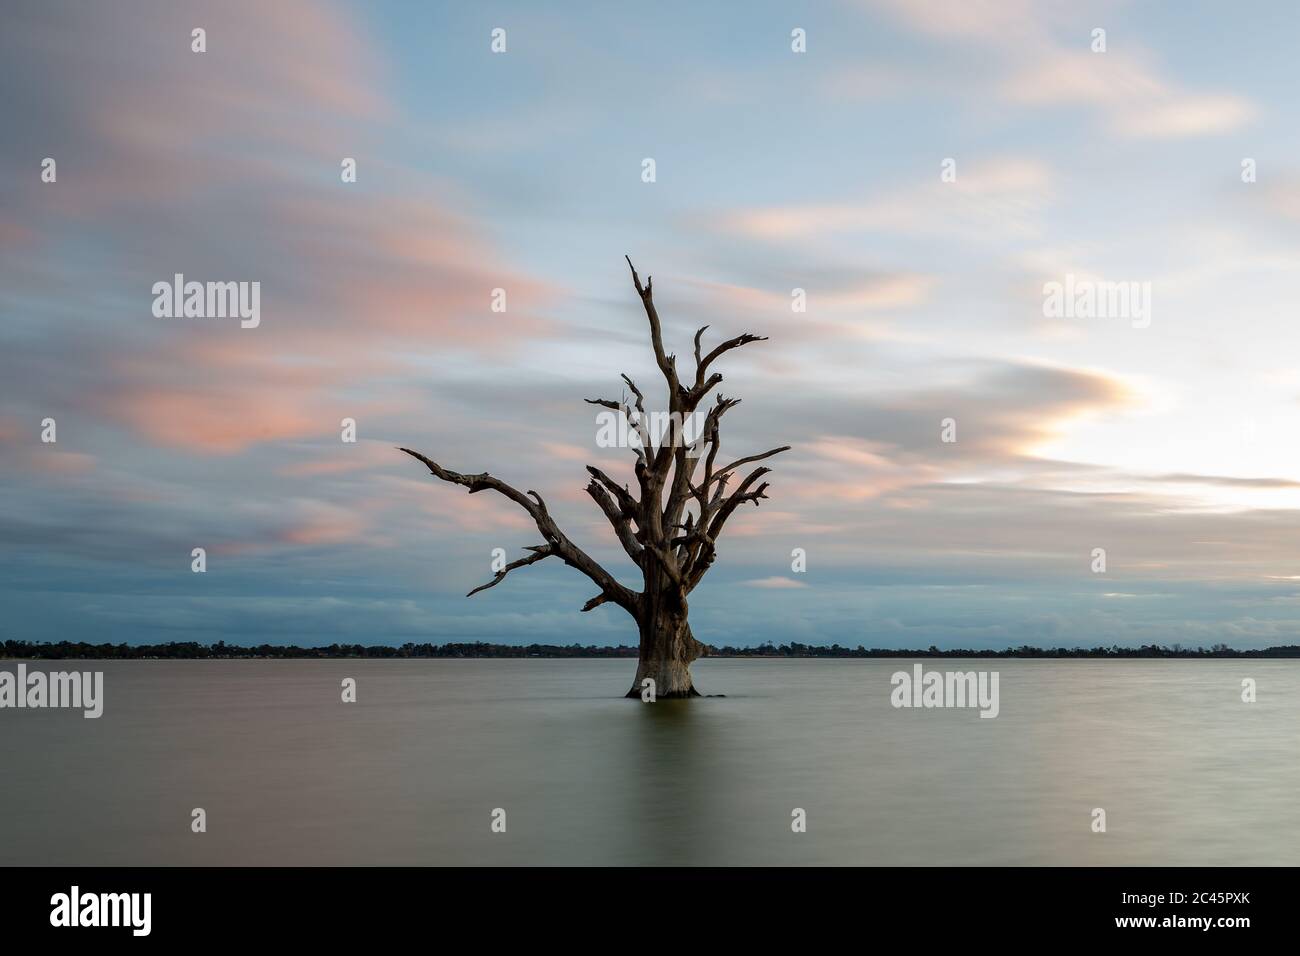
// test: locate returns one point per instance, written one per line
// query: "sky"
(924, 170)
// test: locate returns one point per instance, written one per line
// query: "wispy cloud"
(1043, 56)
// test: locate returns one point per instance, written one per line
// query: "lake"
(411, 773)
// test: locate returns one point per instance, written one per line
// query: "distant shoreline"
(66, 650)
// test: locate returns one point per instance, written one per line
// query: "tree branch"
(667, 563)
(540, 552)
(682, 487)
(666, 363)
(636, 422)
(745, 461)
(736, 499)
(618, 519)
(626, 502)
(556, 540)
(640, 399)
(710, 527)
(701, 386)
(698, 333)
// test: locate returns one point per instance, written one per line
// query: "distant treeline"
(190, 650)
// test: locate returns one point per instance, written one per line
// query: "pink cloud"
(407, 270)
(363, 456)
(1129, 92)
(324, 524)
(23, 450)
(357, 281)
(1003, 196)
(1137, 101)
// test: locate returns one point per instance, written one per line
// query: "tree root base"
(635, 694)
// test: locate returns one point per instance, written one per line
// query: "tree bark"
(667, 649)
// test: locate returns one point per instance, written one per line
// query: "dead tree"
(669, 526)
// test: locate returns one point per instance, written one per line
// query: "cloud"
(284, 75)
(995, 197)
(1044, 58)
(1280, 195)
(993, 22)
(842, 293)
(1134, 99)
(230, 171)
(322, 523)
(1225, 481)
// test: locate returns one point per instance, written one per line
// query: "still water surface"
(410, 774)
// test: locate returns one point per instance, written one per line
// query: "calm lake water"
(411, 773)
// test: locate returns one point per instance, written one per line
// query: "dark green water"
(410, 774)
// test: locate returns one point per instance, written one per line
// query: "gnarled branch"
(624, 497)
(540, 552)
(747, 460)
(557, 541)
(619, 520)
(666, 363)
(701, 385)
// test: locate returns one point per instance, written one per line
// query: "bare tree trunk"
(667, 649)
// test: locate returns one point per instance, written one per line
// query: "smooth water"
(1187, 773)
